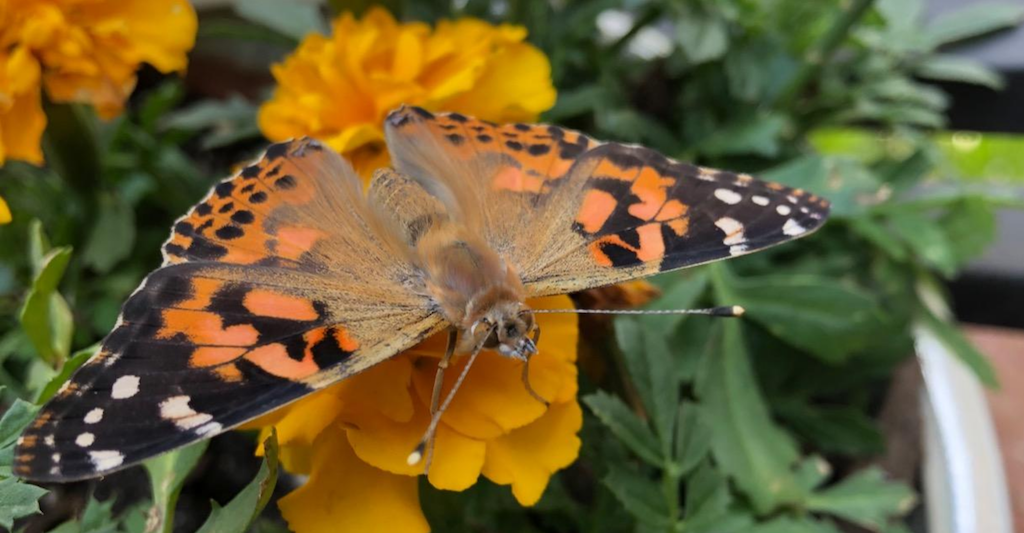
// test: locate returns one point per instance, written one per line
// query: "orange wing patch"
(231, 224)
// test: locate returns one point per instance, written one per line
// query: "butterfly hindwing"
(571, 213)
(210, 341)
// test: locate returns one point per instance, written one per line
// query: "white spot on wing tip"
(793, 228)
(93, 416)
(106, 459)
(738, 249)
(728, 196)
(760, 200)
(733, 230)
(85, 439)
(783, 210)
(177, 410)
(210, 428)
(125, 387)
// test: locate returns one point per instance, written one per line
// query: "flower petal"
(5, 212)
(345, 494)
(493, 399)
(527, 457)
(386, 444)
(382, 389)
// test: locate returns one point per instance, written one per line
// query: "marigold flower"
(5, 212)
(339, 88)
(82, 51)
(353, 438)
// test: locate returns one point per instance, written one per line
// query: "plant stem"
(670, 488)
(822, 51)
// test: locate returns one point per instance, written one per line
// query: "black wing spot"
(226, 207)
(229, 232)
(224, 189)
(243, 217)
(286, 182)
(454, 138)
(538, 149)
(514, 145)
(258, 197)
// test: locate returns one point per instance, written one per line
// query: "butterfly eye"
(511, 331)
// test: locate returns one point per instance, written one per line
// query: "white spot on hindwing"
(209, 428)
(760, 200)
(177, 410)
(125, 387)
(106, 459)
(93, 416)
(728, 196)
(738, 249)
(783, 210)
(733, 230)
(793, 228)
(85, 439)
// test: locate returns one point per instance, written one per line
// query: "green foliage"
(703, 426)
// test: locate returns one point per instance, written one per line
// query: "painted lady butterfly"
(287, 278)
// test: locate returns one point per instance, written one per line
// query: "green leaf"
(787, 524)
(639, 495)
(840, 429)
(970, 227)
(946, 67)
(38, 246)
(651, 371)
(702, 37)
(294, 20)
(17, 416)
(753, 134)
(864, 498)
(900, 14)
(925, 239)
(876, 234)
(18, 499)
(77, 359)
(707, 499)
(229, 121)
(98, 517)
(812, 472)
(44, 317)
(817, 314)
(239, 513)
(748, 446)
(693, 438)
(844, 181)
(112, 236)
(625, 425)
(973, 21)
(955, 340)
(683, 294)
(167, 474)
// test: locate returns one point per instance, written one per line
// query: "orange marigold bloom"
(339, 88)
(83, 51)
(353, 438)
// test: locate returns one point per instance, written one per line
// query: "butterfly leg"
(435, 398)
(526, 371)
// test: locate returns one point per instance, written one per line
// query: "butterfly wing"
(278, 283)
(571, 213)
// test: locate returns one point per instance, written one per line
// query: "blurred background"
(882, 352)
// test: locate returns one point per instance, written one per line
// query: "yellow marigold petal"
(297, 459)
(308, 417)
(355, 137)
(5, 212)
(22, 120)
(492, 399)
(382, 390)
(386, 444)
(515, 87)
(527, 457)
(345, 494)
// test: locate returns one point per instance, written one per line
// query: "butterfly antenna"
(424, 447)
(731, 311)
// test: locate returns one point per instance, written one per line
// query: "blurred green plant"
(729, 426)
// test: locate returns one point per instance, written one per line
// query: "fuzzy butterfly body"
(288, 277)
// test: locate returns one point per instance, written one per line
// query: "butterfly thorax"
(477, 291)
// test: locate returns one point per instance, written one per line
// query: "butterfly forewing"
(571, 213)
(278, 283)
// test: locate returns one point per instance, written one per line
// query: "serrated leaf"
(751, 135)
(865, 498)
(76, 360)
(44, 319)
(707, 499)
(693, 438)
(640, 496)
(817, 314)
(98, 517)
(701, 37)
(973, 21)
(239, 513)
(970, 227)
(295, 20)
(167, 474)
(787, 524)
(945, 67)
(840, 429)
(748, 446)
(626, 426)
(18, 499)
(812, 472)
(651, 370)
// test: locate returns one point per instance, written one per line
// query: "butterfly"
(288, 277)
